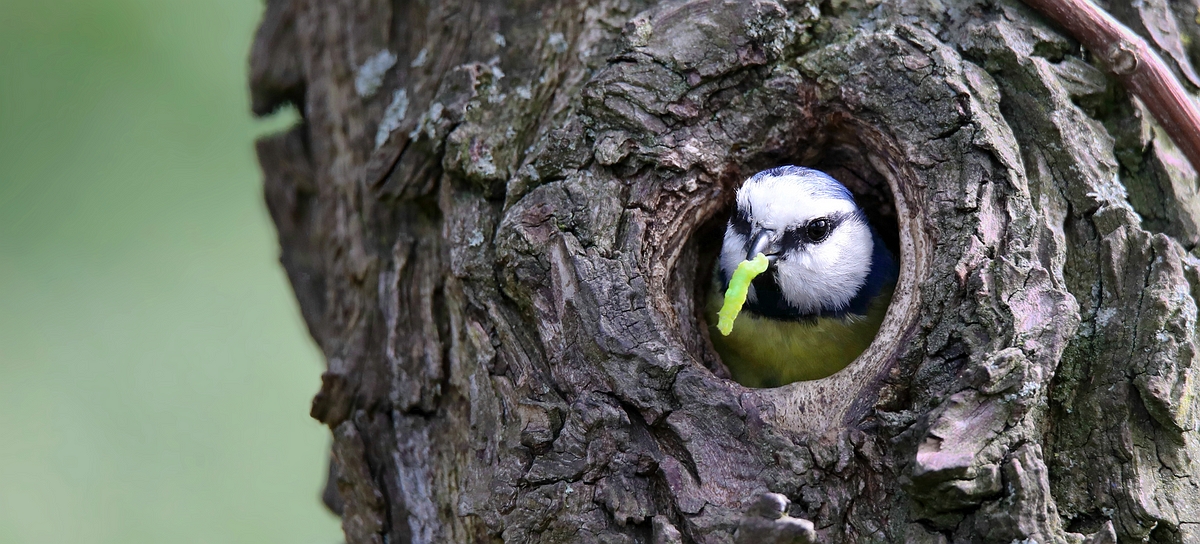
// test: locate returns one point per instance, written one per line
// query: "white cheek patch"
(827, 275)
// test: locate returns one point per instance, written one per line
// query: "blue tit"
(821, 301)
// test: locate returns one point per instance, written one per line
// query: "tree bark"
(499, 219)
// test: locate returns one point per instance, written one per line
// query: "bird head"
(816, 238)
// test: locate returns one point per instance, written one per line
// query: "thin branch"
(1132, 60)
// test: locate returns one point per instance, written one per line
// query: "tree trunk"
(499, 219)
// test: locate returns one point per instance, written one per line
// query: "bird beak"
(763, 242)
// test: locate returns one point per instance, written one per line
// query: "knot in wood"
(1122, 58)
(769, 506)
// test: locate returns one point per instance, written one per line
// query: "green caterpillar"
(739, 286)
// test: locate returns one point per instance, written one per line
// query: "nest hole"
(870, 166)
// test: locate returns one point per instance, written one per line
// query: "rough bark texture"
(499, 218)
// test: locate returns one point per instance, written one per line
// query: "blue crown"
(821, 183)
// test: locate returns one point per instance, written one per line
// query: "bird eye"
(817, 230)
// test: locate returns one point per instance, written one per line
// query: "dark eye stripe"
(799, 236)
(740, 222)
(792, 238)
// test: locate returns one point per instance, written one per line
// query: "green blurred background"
(155, 375)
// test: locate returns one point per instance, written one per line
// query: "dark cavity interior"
(839, 152)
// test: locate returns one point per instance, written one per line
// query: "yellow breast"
(764, 352)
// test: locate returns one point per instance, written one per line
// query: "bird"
(826, 289)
